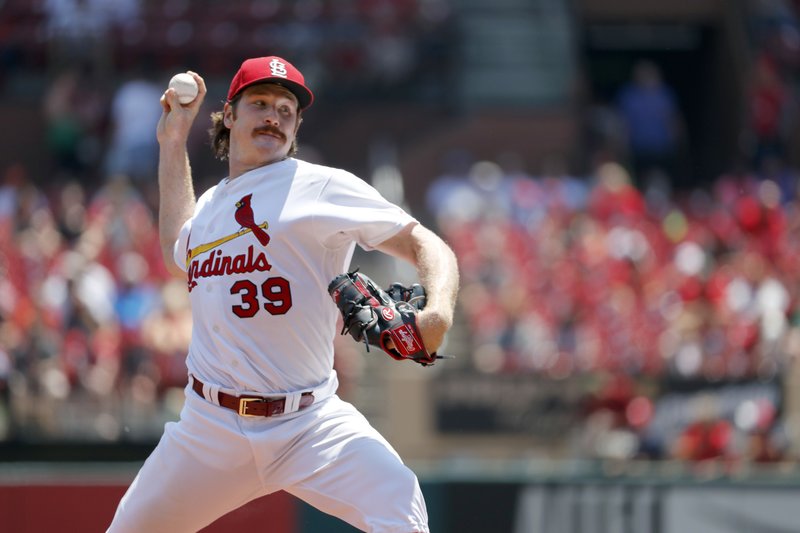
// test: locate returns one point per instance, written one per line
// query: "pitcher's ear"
(228, 115)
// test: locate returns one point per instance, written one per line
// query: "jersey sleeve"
(179, 251)
(349, 209)
(181, 246)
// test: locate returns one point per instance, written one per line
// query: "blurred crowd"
(673, 303)
(93, 332)
(88, 313)
(680, 304)
(347, 48)
(563, 277)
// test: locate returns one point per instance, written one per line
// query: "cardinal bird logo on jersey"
(245, 218)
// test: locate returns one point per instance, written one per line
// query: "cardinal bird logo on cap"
(244, 216)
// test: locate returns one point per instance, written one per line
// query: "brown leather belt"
(253, 405)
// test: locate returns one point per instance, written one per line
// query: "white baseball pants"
(213, 461)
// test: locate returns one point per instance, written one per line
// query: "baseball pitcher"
(266, 258)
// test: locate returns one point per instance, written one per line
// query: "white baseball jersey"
(263, 319)
(259, 254)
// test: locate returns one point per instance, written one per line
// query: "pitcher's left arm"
(437, 270)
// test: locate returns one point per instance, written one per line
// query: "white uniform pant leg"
(345, 468)
(201, 469)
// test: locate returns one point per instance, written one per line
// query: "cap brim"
(304, 96)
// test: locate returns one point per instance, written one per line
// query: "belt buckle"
(244, 402)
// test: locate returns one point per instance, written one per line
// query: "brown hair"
(220, 134)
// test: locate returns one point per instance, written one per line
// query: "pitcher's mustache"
(270, 129)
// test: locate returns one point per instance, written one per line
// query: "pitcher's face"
(263, 124)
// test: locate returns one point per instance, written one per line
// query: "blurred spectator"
(653, 123)
(87, 19)
(64, 129)
(450, 196)
(80, 31)
(135, 110)
(771, 111)
(74, 112)
(166, 331)
(391, 55)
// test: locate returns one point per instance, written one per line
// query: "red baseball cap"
(271, 69)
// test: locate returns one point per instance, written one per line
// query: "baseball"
(184, 86)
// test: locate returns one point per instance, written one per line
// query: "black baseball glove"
(374, 316)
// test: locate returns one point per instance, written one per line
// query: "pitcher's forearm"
(176, 195)
(438, 273)
(437, 270)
